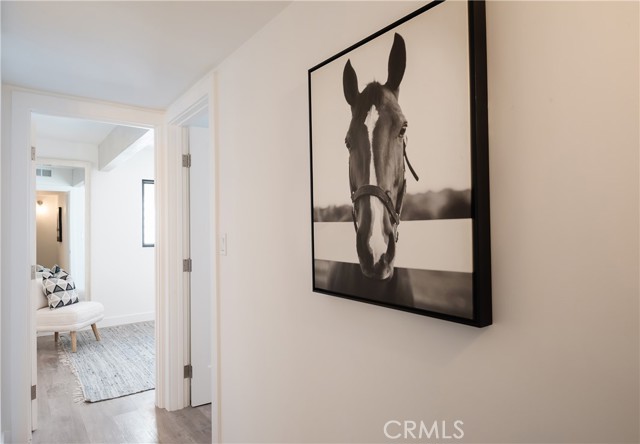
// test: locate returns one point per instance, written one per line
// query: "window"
(148, 213)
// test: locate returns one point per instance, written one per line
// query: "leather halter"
(385, 196)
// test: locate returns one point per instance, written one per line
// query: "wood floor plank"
(129, 419)
(101, 428)
(139, 426)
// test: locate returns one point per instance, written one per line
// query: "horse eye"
(403, 130)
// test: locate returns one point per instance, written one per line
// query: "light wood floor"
(130, 419)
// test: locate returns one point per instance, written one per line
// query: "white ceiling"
(71, 130)
(142, 53)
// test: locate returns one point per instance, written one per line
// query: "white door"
(201, 241)
(35, 287)
(36, 296)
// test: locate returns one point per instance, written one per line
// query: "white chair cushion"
(69, 318)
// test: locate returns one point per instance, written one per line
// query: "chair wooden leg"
(96, 333)
(56, 336)
(73, 342)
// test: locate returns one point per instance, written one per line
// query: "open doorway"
(61, 217)
(89, 194)
(19, 252)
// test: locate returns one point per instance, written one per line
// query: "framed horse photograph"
(400, 168)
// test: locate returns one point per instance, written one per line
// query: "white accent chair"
(69, 318)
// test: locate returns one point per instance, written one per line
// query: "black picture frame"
(464, 294)
(148, 209)
(59, 225)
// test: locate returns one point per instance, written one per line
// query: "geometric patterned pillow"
(59, 272)
(60, 291)
(45, 272)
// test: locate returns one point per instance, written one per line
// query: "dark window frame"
(146, 182)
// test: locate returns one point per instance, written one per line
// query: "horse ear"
(350, 84)
(397, 63)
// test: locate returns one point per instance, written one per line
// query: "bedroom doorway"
(61, 217)
(190, 131)
(89, 176)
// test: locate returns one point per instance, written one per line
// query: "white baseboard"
(112, 321)
(126, 319)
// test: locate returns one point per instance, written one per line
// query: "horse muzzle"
(380, 270)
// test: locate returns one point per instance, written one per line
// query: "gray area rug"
(121, 364)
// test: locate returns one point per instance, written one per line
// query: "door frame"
(199, 97)
(18, 231)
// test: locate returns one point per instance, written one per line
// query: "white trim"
(194, 100)
(16, 230)
(112, 321)
(17, 233)
(198, 98)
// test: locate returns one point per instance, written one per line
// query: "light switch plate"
(223, 244)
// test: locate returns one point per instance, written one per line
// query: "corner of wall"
(5, 152)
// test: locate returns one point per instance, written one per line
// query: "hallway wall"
(560, 363)
(47, 248)
(122, 269)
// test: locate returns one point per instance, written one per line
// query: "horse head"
(376, 142)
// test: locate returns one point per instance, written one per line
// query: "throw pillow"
(44, 271)
(59, 288)
(59, 272)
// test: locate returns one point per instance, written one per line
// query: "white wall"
(47, 246)
(560, 363)
(122, 275)
(77, 244)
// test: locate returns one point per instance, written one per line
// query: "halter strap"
(385, 198)
(373, 190)
(406, 159)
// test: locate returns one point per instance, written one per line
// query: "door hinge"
(33, 392)
(33, 272)
(33, 153)
(186, 160)
(188, 371)
(187, 265)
